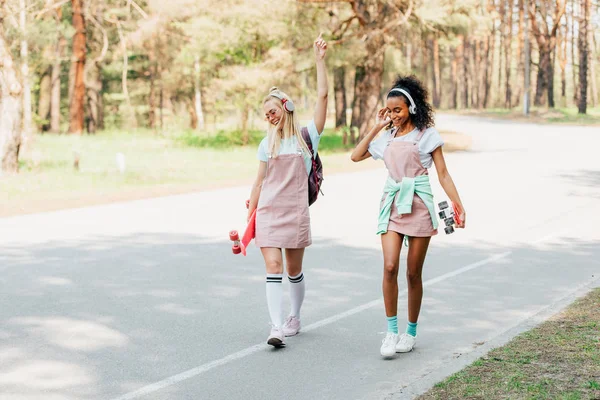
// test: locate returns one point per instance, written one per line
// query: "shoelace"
(404, 339)
(388, 338)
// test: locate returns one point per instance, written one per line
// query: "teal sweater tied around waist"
(406, 190)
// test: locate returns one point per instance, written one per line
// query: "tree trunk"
(573, 56)
(132, 118)
(44, 100)
(198, 95)
(543, 75)
(76, 109)
(551, 102)
(562, 62)
(152, 94)
(454, 75)
(546, 40)
(424, 62)
(508, 55)
(583, 55)
(339, 88)
(479, 70)
(370, 95)
(56, 72)
(10, 107)
(161, 105)
(501, 53)
(465, 72)
(591, 59)
(359, 83)
(94, 96)
(489, 70)
(193, 115)
(436, 76)
(101, 104)
(27, 119)
(520, 51)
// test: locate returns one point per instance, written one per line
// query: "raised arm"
(361, 152)
(320, 47)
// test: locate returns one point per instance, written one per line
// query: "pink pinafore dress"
(282, 216)
(402, 159)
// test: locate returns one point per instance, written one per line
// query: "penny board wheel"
(236, 249)
(234, 236)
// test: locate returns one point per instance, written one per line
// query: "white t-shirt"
(290, 146)
(430, 141)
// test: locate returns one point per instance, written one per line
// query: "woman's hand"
(383, 118)
(320, 46)
(462, 216)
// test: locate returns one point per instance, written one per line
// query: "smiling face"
(273, 112)
(398, 110)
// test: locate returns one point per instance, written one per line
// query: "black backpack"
(315, 178)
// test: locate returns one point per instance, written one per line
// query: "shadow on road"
(98, 318)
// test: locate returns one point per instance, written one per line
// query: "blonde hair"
(287, 126)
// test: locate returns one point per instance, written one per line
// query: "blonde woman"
(280, 197)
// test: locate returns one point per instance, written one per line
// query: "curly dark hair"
(423, 118)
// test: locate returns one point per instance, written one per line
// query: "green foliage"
(222, 140)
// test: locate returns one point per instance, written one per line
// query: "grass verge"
(154, 166)
(566, 116)
(560, 359)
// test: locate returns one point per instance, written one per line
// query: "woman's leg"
(293, 260)
(391, 243)
(274, 265)
(417, 251)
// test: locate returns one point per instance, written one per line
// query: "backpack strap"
(306, 137)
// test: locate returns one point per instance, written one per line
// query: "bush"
(223, 139)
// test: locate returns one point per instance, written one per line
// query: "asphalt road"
(144, 300)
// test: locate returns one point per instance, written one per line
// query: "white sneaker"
(291, 327)
(388, 344)
(405, 343)
(275, 339)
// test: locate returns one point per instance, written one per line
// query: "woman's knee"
(414, 276)
(274, 266)
(294, 270)
(293, 261)
(390, 269)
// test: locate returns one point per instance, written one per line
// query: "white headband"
(413, 107)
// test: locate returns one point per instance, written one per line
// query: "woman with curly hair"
(409, 145)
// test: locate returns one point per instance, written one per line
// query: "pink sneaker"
(276, 337)
(291, 327)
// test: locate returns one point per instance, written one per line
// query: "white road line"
(172, 380)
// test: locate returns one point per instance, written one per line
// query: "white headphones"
(413, 107)
(288, 105)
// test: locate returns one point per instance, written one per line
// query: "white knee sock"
(297, 290)
(275, 298)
